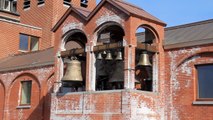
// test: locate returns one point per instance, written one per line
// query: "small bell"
(109, 56)
(144, 60)
(99, 57)
(119, 56)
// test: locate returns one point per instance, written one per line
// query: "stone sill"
(23, 107)
(202, 103)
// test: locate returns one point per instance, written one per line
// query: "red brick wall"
(42, 83)
(182, 86)
(10, 37)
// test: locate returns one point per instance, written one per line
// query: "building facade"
(75, 60)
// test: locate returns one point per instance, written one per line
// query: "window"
(26, 87)
(26, 4)
(8, 5)
(40, 2)
(28, 43)
(84, 3)
(205, 81)
(67, 2)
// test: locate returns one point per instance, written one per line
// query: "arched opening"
(2, 91)
(74, 77)
(109, 61)
(145, 58)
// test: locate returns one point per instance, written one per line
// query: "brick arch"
(48, 80)
(183, 60)
(152, 29)
(14, 98)
(104, 25)
(26, 74)
(69, 33)
(2, 100)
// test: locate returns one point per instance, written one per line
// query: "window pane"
(205, 81)
(1, 5)
(23, 43)
(7, 5)
(26, 92)
(14, 6)
(34, 44)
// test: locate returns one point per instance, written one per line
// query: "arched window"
(144, 58)
(74, 78)
(109, 57)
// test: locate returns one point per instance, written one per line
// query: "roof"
(134, 10)
(127, 8)
(197, 33)
(83, 11)
(27, 60)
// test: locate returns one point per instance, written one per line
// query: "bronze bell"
(109, 56)
(100, 68)
(73, 72)
(144, 60)
(119, 56)
(118, 75)
(99, 57)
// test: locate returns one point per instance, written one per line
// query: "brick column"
(90, 69)
(129, 67)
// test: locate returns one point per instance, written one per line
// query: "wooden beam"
(141, 46)
(107, 46)
(72, 52)
(147, 47)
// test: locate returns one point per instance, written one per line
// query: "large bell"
(119, 56)
(99, 57)
(109, 56)
(144, 60)
(118, 75)
(73, 72)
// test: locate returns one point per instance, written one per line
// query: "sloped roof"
(83, 11)
(197, 33)
(137, 11)
(28, 60)
(127, 8)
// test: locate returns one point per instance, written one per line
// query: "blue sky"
(177, 12)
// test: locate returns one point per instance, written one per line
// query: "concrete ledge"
(23, 107)
(107, 91)
(202, 103)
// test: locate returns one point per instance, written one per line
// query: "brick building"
(128, 66)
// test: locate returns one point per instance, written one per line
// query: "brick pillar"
(129, 68)
(91, 71)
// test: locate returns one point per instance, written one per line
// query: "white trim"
(24, 25)
(23, 107)
(202, 103)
